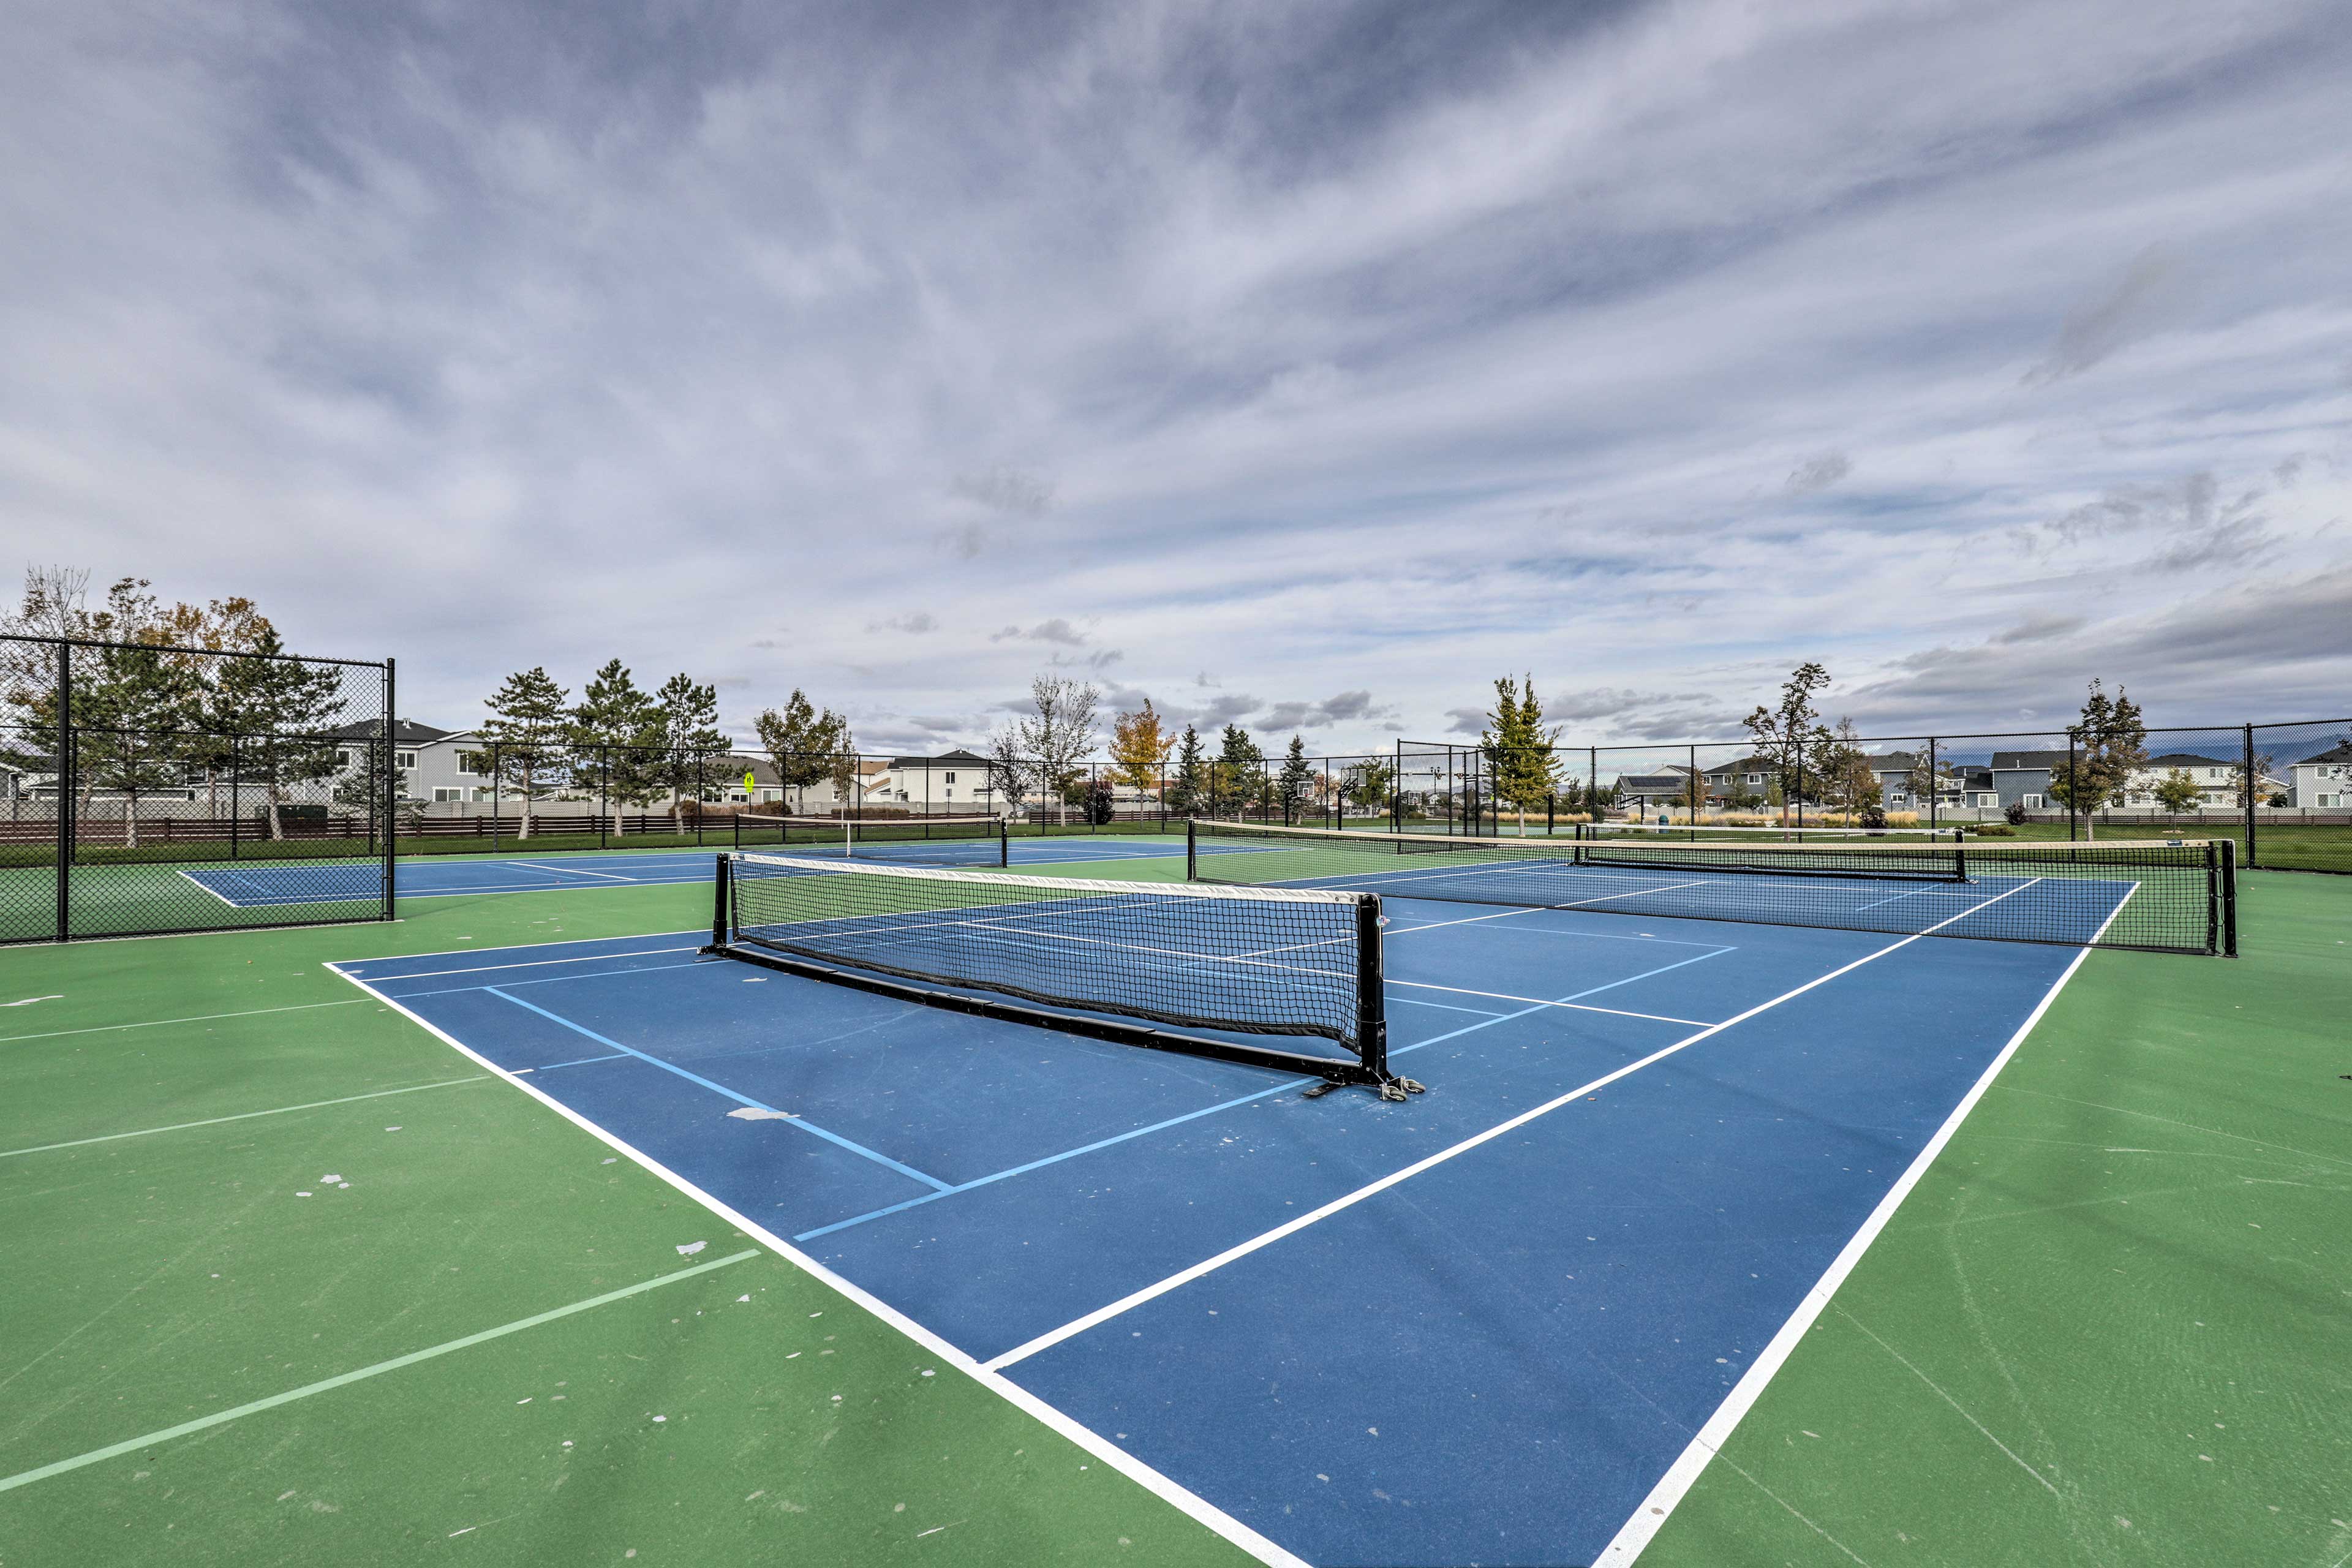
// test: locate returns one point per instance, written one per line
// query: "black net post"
(721, 906)
(2252, 790)
(1192, 850)
(2228, 902)
(1372, 1007)
(66, 779)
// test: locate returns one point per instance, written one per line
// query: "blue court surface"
(252, 884)
(1475, 1326)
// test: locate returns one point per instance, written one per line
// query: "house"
(2022, 778)
(2322, 782)
(953, 783)
(1742, 778)
(1967, 784)
(2216, 780)
(1670, 787)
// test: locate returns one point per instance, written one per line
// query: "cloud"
(1466, 721)
(1056, 630)
(2041, 627)
(916, 623)
(2130, 307)
(1818, 474)
(1007, 490)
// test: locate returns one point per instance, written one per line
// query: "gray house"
(2022, 778)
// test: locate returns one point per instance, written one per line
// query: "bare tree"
(1061, 732)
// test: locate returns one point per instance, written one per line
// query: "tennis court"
(1475, 1326)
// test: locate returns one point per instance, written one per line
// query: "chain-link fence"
(147, 789)
(2280, 792)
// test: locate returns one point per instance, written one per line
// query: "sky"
(1302, 367)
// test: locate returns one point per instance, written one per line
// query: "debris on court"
(691, 1248)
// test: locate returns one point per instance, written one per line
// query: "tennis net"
(2176, 896)
(1245, 962)
(910, 840)
(1769, 833)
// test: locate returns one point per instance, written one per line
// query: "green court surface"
(2108, 1326)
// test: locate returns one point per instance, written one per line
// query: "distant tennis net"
(2174, 897)
(908, 840)
(1085, 955)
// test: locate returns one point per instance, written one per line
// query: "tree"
(1235, 776)
(2110, 746)
(690, 735)
(281, 711)
(615, 728)
(1844, 768)
(1188, 788)
(802, 742)
(1296, 782)
(1370, 783)
(2241, 786)
(1010, 771)
(1518, 749)
(1786, 733)
(136, 706)
(1140, 745)
(526, 732)
(2176, 791)
(1059, 731)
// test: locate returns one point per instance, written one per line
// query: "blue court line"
(721, 1088)
(1487, 1022)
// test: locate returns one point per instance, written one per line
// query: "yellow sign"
(747, 780)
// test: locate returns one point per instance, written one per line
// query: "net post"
(2250, 859)
(391, 789)
(1372, 1007)
(1961, 860)
(66, 782)
(2227, 902)
(1192, 850)
(1004, 845)
(723, 882)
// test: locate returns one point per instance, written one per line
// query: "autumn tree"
(1140, 745)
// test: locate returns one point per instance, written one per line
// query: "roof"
(2004, 762)
(2185, 758)
(957, 758)
(404, 732)
(2339, 752)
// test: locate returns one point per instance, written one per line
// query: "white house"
(2324, 781)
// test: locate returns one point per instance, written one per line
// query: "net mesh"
(2173, 897)
(914, 840)
(1247, 961)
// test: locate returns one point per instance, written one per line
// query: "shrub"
(1994, 829)
(2015, 814)
(1873, 818)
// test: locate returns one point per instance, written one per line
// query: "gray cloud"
(1007, 490)
(2041, 627)
(2129, 307)
(917, 621)
(1056, 630)
(1817, 473)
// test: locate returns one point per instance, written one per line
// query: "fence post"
(2070, 796)
(498, 803)
(391, 790)
(236, 796)
(1396, 791)
(1935, 788)
(603, 783)
(67, 780)
(2250, 782)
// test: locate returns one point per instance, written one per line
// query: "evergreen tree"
(281, 711)
(1296, 782)
(136, 705)
(1517, 748)
(526, 732)
(691, 736)
(615, 731)
(1187, 787)
(1235, 780)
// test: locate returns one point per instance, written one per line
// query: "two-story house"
(2323, 782)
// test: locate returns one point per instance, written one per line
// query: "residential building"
(2323, 782)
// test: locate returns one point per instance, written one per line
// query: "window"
(1755, 778)
(346, 757)
(480, 793)
(2031, 802)
(471, 763)
(952, 778)
(447, 793)
(404, 759)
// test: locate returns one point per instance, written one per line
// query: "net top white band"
(1051, 884)
(1893, 843)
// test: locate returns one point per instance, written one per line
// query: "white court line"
(560, 979)
(567, 870)
(240, 1116)
(1053, 1337)
(1193, 1506)
(159, 1023)
(325, 1385)
(215, 892)
(1637, 1531)
(1546, 1002)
